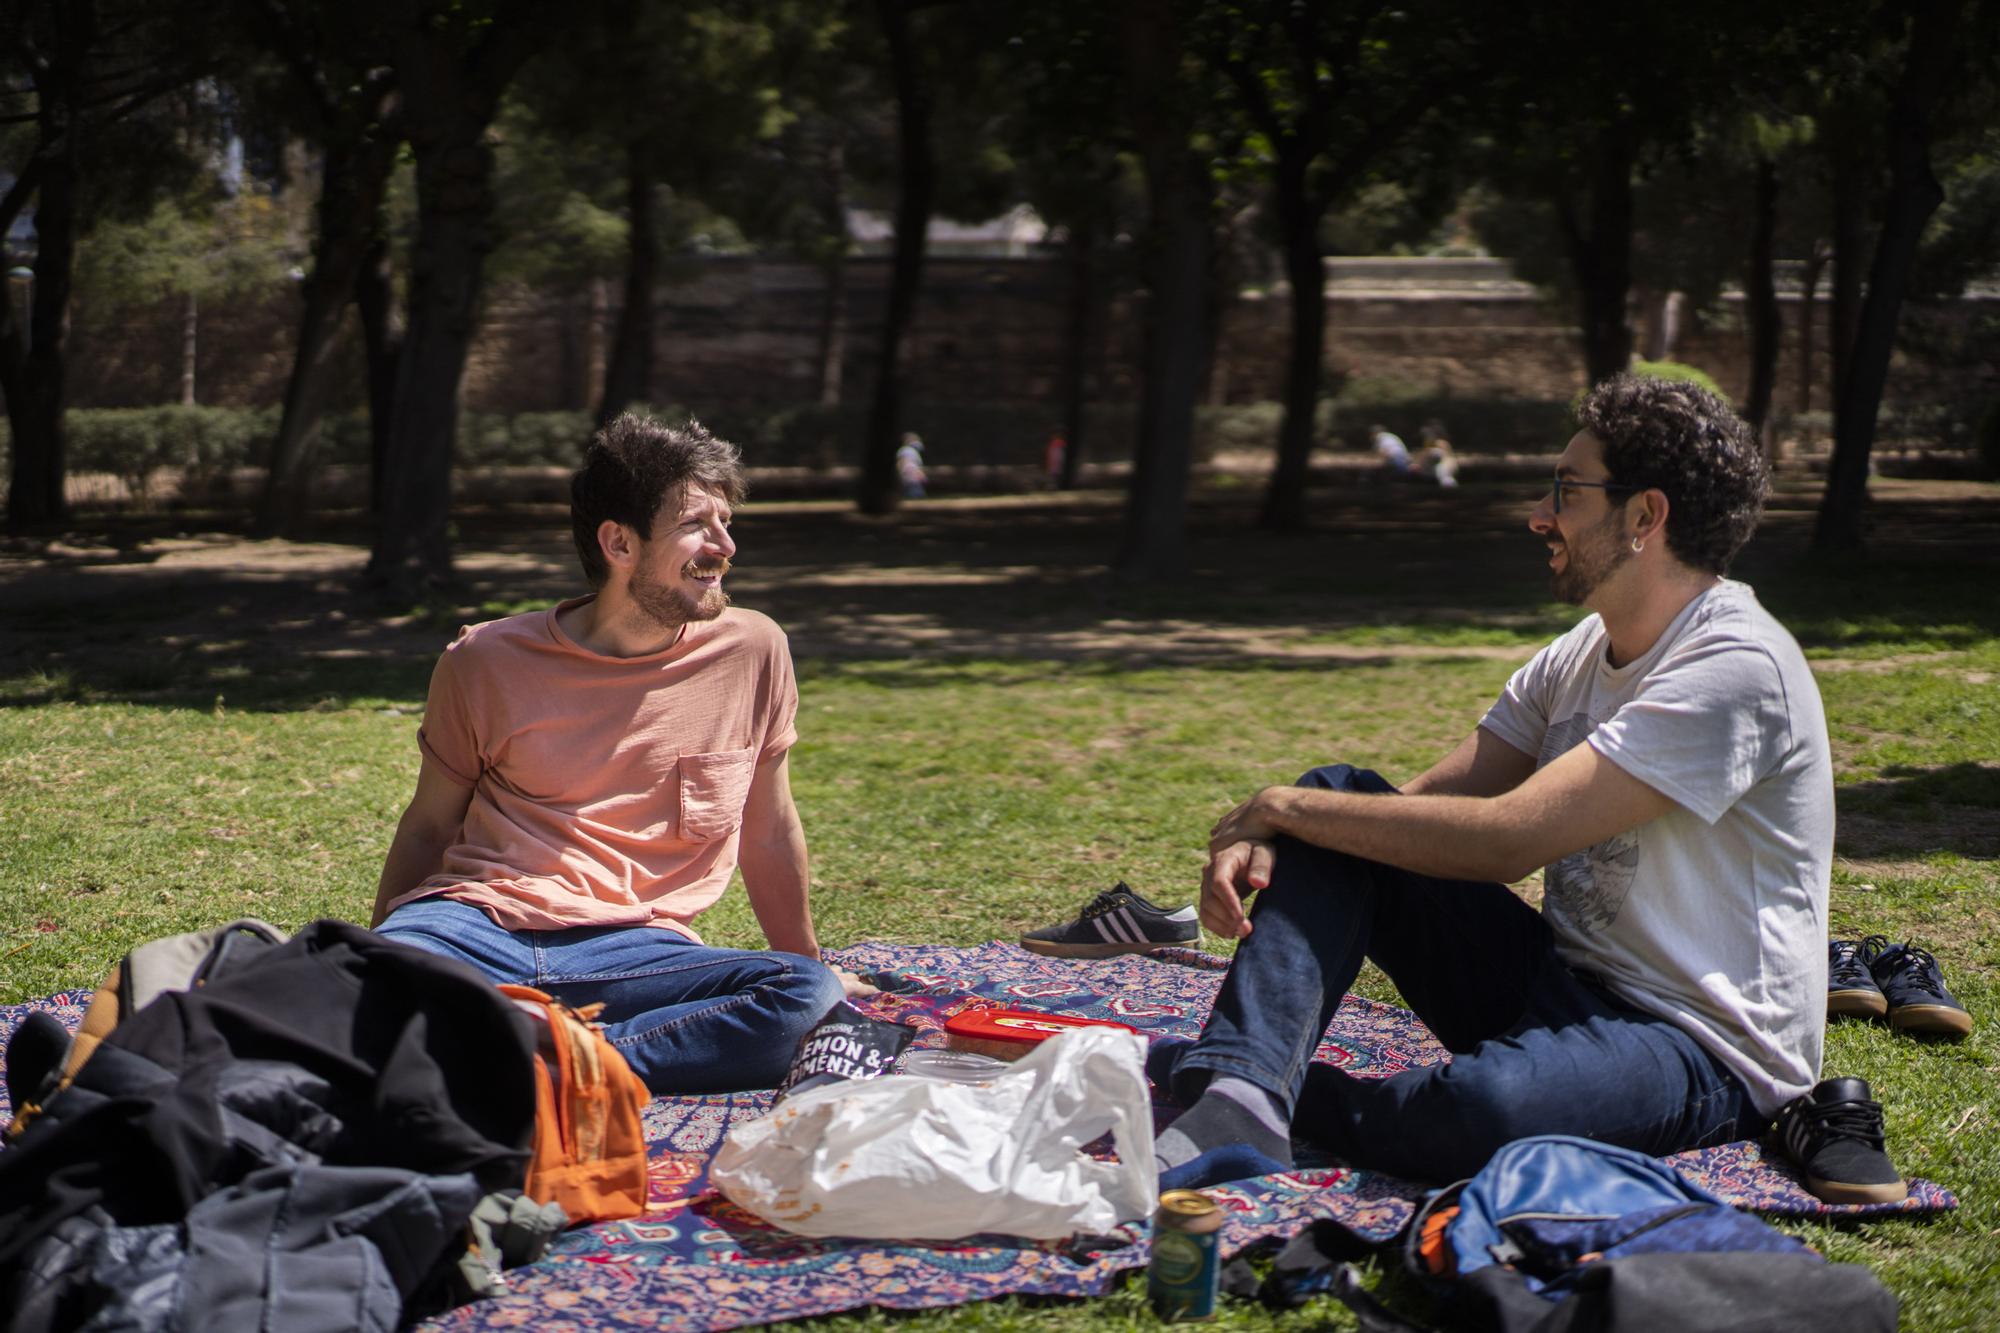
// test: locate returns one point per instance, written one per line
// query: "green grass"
(959, 797)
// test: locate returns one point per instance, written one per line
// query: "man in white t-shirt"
(1666, 761)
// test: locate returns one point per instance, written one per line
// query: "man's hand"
(1234, 872)
(853, 985)
(1252, 821)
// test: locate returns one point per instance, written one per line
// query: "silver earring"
(1637, 546)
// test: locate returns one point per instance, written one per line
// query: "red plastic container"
(1009, 1034)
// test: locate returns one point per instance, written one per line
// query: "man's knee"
(805, 990)
(795, 999)
(1344, 777)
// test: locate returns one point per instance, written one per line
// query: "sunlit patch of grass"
(956, 798)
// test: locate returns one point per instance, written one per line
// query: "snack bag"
(847, 1044)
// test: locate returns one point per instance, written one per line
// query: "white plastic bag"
(901, 1157)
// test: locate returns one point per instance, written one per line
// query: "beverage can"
(1186, 1264)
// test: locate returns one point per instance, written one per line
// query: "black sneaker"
(1851, 991)
(1116, 921)
(1834, 1134)
(1918, 1001)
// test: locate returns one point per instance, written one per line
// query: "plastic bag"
(904, 1158)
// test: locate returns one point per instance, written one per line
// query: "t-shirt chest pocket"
(714, 789)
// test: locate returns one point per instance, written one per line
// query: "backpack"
(590, 1147)
(173, 962)
(1566, 1233)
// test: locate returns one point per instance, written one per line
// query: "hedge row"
(132, 443)
(135, 441)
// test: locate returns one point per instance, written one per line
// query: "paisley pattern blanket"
(697, 1262)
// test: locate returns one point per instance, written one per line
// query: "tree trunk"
(286, 485)
(190, 346)
(451, 81)
(1600, 253)
(382, 346)
(1079, 339)
(1176, 258)
(412, 547)
(354, 179)
(35, 399)
(1850, 204)
(832, 358)
(916, 182)
(13, 338)
(35, 408)
(1914, 194)
(1760, 299)
(1285, 500)
(597, 318)
(1808, 322)
(833, 267)
(628, 378)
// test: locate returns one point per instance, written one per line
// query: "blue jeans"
(1536, 1048)
(686, 1017)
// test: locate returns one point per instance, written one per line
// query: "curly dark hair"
(631, 467)
(1681, 439)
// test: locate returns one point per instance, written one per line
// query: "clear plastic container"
(951, 1066)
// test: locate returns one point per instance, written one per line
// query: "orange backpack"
(590, 1148)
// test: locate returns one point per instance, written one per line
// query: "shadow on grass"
(1952, 808)
(1903, 786)
(1445, 577)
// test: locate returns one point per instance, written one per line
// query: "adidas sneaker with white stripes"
(1116, 921)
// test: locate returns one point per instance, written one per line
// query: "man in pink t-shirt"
(594, 774)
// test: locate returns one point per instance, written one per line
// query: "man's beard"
(1587, 565)
(672, 607)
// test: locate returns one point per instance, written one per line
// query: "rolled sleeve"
(447, 737)
(782, 710)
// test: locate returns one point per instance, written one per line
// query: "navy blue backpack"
(1561, 1233)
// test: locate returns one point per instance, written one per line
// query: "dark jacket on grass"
(296, 1145)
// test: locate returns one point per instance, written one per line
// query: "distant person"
(594, 774)
(1438, 459)
(910, 466)
(1389, 447)
(1054, 455)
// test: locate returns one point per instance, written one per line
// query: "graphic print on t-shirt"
(1587, 888)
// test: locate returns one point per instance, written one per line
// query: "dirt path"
(1010, 576)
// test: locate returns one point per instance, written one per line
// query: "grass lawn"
(194, 727)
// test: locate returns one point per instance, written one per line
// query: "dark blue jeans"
(1536, 1048)
(686, 1017)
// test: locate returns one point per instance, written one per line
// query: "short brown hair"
(631, 467)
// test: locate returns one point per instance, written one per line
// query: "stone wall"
(741, 332)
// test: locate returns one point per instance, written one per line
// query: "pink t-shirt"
(606, 791)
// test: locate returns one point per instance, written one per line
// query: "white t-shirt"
(1391, 450)
(1714, 914)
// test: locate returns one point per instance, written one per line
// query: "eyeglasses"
(1563, 484)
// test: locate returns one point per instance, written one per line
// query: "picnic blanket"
(695, 1261)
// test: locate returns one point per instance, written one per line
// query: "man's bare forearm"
(1450, 837)
(1577, 801)
(412, 859)
(778, 879)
